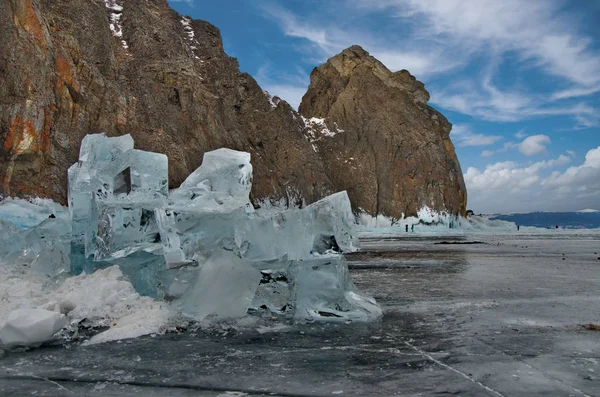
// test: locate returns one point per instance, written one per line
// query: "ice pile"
(201, 247)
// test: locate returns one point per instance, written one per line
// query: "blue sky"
(518, 79)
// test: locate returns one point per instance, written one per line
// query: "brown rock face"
(70, 68)
(379, 139)
(65, 72)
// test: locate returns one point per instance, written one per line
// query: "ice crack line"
(438, 362)
(31, 376)
(545, 375)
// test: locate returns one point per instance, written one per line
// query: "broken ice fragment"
(327, 224)
(224, 288)
(111, 193)
(124, 228)
(149, 173)
(30, 327)
(323, 290)
(222, 183)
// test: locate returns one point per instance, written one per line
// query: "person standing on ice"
(412, 227)
(406, 228)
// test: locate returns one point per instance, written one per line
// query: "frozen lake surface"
(469, 315)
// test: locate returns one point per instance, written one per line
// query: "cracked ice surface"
(200, 250)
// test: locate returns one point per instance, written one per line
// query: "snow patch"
(316, 129)
(115, 24)
(273, 100)
(105, 298)
(191, 36)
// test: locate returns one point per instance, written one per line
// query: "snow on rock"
(115, 24)
(273, 100)
(30, 327)
(191, 36)
(316, 129)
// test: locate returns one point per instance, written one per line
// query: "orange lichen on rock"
(26, 17)
(45, 133)
(65, 72)
(21, 137)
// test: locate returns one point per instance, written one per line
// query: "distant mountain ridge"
(69, 68)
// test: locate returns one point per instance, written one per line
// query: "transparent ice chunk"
(325, 225)
(52, 261)
(333, 217)
(223, 289)
(323, 291)
(149, 173)
(274, 290)
(111, 193)
(222, 183)
(185, 233)
(171, 243)
(202, 246)
(124, 228)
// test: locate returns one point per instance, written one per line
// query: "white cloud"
(508, 186)
(487, 153)
(520, 134)
(575, 92)
(536, 30)
(483, 100)
(463, 136)
(586, 175)
(535, 144)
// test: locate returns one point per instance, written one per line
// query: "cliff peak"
(394, 154)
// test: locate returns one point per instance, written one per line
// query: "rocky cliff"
(69, 68)
(382, 143)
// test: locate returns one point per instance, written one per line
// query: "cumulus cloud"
(586, 175)
(535, 144)
(509, 186)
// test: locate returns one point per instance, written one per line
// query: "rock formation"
(379, 140)
(69, 68)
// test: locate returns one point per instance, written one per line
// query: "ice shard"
(223, 289)
(221, 184)
(323, 291)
